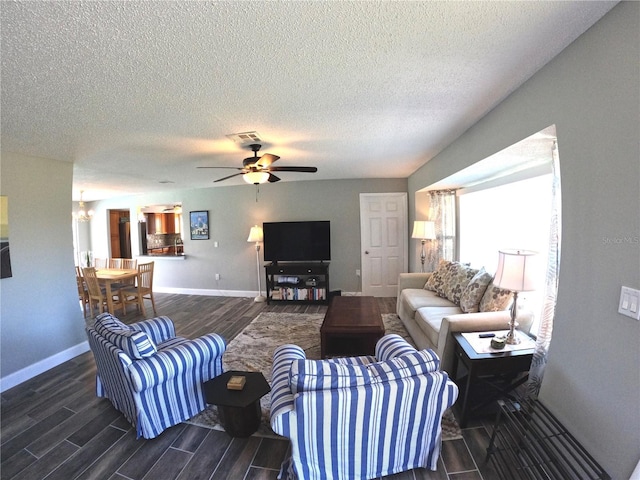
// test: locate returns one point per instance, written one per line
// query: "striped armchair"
(359, 417)
(153, 377)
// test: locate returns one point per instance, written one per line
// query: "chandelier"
(82, 215)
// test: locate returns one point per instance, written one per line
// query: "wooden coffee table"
(352, 326)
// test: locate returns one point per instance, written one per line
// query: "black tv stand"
(298, 282)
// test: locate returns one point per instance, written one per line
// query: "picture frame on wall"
(199, 225)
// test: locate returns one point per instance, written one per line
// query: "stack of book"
(298, 293)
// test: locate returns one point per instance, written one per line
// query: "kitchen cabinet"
(161, 223)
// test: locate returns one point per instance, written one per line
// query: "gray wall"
(40, 311)
(41, 321)
(233, 211)
(591, 93)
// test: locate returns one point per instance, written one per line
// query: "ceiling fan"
(259, 169)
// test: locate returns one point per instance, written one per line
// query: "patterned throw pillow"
(435, 283)
(457, 280)
(108, 321)
(134, 343)
(472, 295)
(495, 299)
(310, 375)
(450, 279)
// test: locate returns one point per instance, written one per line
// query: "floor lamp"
(516, 272)
(255, 236)
(424, 230)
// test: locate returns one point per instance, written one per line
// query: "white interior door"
(383, 242)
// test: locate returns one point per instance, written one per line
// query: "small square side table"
(492, 366)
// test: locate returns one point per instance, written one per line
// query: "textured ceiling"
(135, 93)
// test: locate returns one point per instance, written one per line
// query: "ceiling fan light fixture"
(256, 177)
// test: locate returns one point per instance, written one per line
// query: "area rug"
(252, 350)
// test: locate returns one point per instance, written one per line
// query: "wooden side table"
(239, 410)
(501, 370)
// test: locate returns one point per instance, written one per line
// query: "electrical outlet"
(217, 276)
(357, 272)
(629, 303)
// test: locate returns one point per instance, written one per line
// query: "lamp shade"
(255, 235)
(256, 177)
(516, 271)
(424, 229)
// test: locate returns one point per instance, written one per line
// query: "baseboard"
(220, 293)
(206, 292)
(31, 371)
(42, 366)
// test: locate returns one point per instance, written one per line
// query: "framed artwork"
(199, 225)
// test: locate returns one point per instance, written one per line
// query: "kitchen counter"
(165, 250)
(162, 256)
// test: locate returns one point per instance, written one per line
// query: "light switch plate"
(629, 303)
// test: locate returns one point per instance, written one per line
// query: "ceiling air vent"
(245, 137)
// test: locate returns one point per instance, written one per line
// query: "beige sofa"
(431, 318)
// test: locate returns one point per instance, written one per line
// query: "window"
(509, 216)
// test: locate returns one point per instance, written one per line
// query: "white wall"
(41, 318)
(591, 92)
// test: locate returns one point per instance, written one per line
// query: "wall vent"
(245, 137)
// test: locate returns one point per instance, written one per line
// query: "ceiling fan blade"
(234, 168)
(230, 176)
(294, 169)
(273, 178)
(266, 160)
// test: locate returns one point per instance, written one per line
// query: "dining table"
(110, 276)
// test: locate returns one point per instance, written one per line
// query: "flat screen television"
(297, 241)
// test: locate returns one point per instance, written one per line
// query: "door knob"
(366, 252)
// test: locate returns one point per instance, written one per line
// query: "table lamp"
(516, 272)
(424, 230)
(255, 236)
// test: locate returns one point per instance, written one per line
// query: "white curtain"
(539, 362)
(442, 211)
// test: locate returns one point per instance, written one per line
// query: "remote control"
(487, 335)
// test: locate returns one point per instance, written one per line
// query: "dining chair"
(100, 263)
(115, 263)
(128, 264)
(136, 294)
(83, 293)
(98, 294)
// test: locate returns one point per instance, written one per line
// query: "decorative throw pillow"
(408, 365)
(472, 295)
(134, 343)
(456, 280)
(495, 299)
(108, 321)
(435, 282)
(309, 375)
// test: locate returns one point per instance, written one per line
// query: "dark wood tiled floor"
(54, 427)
